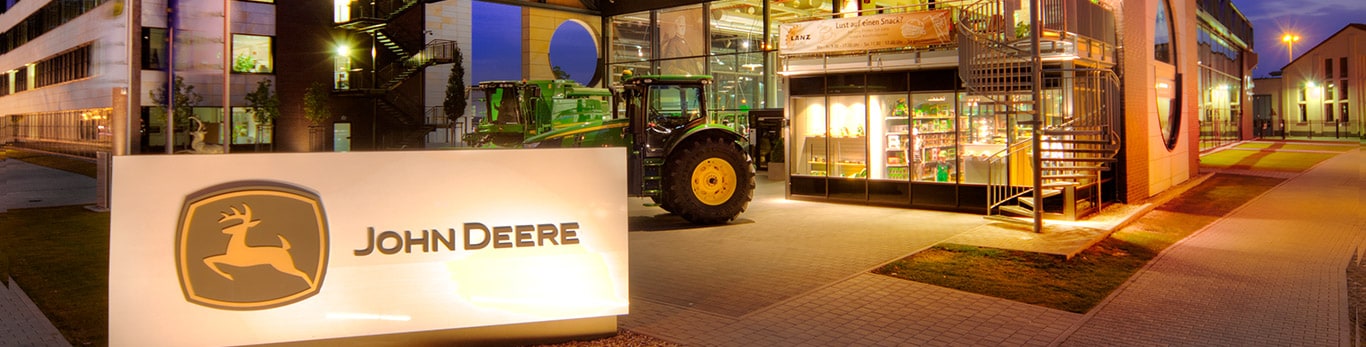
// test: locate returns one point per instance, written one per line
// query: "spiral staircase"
(1078, 143)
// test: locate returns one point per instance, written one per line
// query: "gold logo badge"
(251, 248)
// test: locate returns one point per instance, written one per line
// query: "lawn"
(1079, 284)
(1298, 146)
(1268, 160)
(60, 256)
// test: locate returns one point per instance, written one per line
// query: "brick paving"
(796, 273)
(1248, 279)
(22, 324)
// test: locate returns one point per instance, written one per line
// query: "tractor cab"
(659, 106)
(507, 119)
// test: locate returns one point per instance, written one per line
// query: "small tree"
(317, 109)
(185, 100)
(455, 89)
(265, 107)
(183, 104)
(559, 73)
(264, 104)
(317, 104)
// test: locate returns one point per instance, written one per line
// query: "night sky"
(498, 46)
(498, 38)
(1313, 20)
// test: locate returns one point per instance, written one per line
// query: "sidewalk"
(26, 185)
(1270, 273)
(797, 273)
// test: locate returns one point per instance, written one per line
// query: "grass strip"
(60, 256)
(1298, 146)
(1263, 160)
(1079, 284)
(64, 163)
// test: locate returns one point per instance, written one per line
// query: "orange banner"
(867, 32)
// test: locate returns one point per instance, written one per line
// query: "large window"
(252, 54)
(69, 66)
(1162, 35)
(154, 49)
(45, 19)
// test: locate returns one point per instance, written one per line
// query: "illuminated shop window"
(252, 54)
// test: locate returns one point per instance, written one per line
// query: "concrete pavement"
(27, 185)
(797, 273)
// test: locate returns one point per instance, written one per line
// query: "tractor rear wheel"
(708, 181)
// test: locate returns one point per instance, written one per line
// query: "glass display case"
(848, 137)
(890, 117)
(831, 137)
(933, 154)
(808, 137)
(984, 132)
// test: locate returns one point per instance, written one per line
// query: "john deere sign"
(264, 248)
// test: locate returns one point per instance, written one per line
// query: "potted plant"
(777, 168)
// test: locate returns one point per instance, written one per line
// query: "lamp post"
(1290, 40)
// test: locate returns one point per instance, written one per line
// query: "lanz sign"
(867, 33)
(263, 248)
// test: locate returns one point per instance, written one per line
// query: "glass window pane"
(891, 136)
(808, 148)
(737, 81)
(680, 36)
(154, 51)
(932, 147)
(849, 140)
(631, 37)
(736, 26)
(252, 54)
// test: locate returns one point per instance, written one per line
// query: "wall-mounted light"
(343, 50)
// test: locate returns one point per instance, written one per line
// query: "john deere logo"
(251, 248)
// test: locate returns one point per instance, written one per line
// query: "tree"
(560, 74)
(317, 103)
(264, 104)
(317, 109)
(185, 101)
(265, 107)
(455, 88)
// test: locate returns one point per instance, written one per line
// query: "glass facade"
(1221, 89)
(724, 39)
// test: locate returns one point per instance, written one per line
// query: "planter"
(777, 171)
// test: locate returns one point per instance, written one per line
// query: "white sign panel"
(866, 33)
(259, 248)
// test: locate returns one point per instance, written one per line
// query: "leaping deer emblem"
(239, 254)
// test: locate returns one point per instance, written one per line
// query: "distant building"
(1321, 92)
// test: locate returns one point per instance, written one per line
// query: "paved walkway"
(796, 273)
(25, 185)
(1271, 273)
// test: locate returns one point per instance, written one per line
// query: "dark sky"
(497, 42)
(497, 45)
(498, 37)
(1313, 20)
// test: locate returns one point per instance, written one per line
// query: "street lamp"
(1290, 40)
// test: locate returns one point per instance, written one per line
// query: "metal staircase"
(382, 85)
(1078, 144)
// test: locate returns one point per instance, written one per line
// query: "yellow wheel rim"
(713, 181)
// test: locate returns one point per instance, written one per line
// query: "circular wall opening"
(574, 52)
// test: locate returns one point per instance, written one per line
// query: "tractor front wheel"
(708, 181)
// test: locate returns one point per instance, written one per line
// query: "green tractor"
(519, 109)
(681, 156)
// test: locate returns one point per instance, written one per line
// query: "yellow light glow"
(343, 50)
